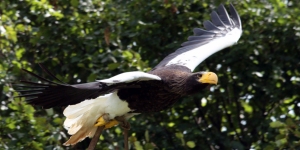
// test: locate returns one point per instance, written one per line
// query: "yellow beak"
(209, 77)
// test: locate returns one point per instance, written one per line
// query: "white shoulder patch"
(130, 77)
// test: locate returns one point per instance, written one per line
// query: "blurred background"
(256, 104)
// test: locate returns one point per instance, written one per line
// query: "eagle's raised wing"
(221, 32)
(50, 94)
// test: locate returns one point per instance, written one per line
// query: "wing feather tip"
(235, 16)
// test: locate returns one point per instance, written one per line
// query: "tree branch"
(95, 138)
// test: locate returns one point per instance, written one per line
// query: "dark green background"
(255, 105)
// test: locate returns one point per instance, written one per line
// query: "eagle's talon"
(105, 121)
(102, 120)
(111, 124)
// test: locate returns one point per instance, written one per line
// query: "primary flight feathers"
(221, 32)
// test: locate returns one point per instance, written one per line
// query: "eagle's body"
(151, 97)
(131, 93)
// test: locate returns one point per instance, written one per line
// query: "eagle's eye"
(199, 76)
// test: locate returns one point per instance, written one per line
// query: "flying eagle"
(98, 103)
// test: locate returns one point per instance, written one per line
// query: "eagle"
(94, 104)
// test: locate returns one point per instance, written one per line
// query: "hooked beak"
(209, 77)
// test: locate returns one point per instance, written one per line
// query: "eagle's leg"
(123, 122)
(105, 121)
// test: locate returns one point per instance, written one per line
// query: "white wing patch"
(130, 77)
(221, 32)
(193, 57)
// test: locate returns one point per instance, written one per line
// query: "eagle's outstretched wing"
(221, 32)
(50, 94)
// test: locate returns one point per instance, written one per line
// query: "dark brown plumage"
(154, 96)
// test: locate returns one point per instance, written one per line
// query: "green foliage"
(255, 105)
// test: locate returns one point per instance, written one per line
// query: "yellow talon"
(111, 124)
(103, 121)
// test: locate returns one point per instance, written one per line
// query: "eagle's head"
(200, 80)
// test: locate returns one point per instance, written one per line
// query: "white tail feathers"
(82, 116)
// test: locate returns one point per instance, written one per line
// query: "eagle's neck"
(179, 79)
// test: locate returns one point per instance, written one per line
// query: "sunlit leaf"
(190, 144)
(277, 124)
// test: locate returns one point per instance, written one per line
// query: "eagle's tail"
(80, 120)
(82, 117)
